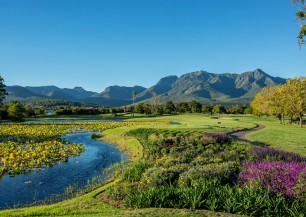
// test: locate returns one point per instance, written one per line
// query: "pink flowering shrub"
(288, 178)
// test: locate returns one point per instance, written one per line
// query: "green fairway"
(200, 121)
(287, 137)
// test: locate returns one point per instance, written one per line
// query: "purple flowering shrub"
(288, 178)
(219, 137)
(269, 154)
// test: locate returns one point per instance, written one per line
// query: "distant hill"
(202, 86)
(120, 92)
(21, 94)
(163, 86)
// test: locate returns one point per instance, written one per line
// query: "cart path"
(241, 134)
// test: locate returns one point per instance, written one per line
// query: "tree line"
(191, 107)
(283, 100)
(155, 109)
(16, 111)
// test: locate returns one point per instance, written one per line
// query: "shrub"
(287, 178)
(134, 171)
(225, 173)
(220, 137)
(159, 177)
(267, 153)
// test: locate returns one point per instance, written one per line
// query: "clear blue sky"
(97, 43)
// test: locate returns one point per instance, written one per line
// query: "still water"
(27, 188)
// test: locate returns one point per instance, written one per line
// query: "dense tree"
(183, 107)
(208, 109)
(296, 98)
(63, 111)
(301, 16)
(3, 92)
(277, 102)
(219, 109)
(235, 109)
(170, 107)
(16, 111)
(160, 110)
(195, 106)
(113, 111)
(3, 112)
(147, 109)
(40, 111)
(271, 101)
(248, 110)
(260, 104)
(288, 99)
(30, 110)
(139, 108)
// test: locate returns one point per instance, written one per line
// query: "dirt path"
(240, 134)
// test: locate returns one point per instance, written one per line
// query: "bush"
(225, 173)
(287, 178)
(269, 154)
(134, 171)
(159, 177)
(220, 137)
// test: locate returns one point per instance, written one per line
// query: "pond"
(38, 185)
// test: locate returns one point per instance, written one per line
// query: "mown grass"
(202, 122)
(287, 137)
(130, 145)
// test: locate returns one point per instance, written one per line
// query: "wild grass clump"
(134, 171)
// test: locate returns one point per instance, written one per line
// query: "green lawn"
(288, 137)
(202, 122)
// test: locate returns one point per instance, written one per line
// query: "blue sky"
(97, 43)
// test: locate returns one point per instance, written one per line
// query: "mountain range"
(205, 87)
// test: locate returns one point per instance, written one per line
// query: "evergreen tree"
(3, 92)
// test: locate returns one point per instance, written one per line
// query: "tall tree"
(288, 99)
(208, 109)
(301, 17)
(195, 106)
(260, 104)
(183, 107)
(3, 92)
(139, 108)
(277, 102)
(147, 109)
(134, 94)
(236, 109)
(296, 100)
(170, 107)
(219, 109)
(155, 100)
(16, 111)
